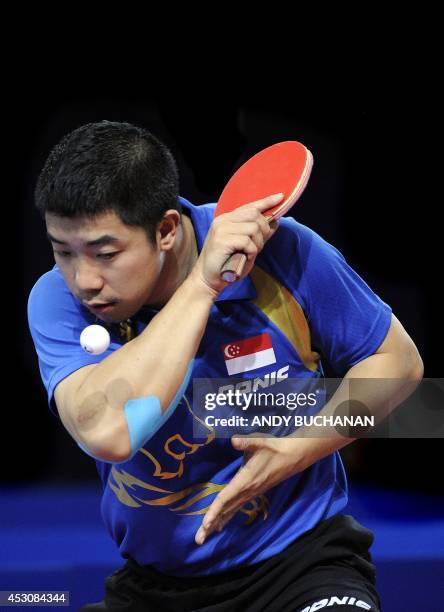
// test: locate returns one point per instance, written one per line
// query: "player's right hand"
(244, 230)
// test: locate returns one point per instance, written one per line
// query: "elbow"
(115, 453)
(102, 430)
(416, 366)
(418, 372)
(110, 446)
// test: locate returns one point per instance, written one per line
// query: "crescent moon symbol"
(226, 351)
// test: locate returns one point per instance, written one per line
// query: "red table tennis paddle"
(282, 168)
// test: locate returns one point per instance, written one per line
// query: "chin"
(122, 315)
(109, 318)
(112, 317)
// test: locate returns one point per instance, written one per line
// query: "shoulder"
(50, 284)
(50, 299)
(292, 234)
(288, 251)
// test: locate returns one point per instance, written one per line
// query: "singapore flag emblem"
(249, 354)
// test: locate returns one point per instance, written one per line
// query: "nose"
(87, 278)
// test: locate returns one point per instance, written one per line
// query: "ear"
(166, 230)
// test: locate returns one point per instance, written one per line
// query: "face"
(110, 267)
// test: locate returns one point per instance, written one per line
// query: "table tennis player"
(205, 524)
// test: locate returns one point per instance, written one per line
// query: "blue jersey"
(308, 303)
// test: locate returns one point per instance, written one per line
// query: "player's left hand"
(267, 462)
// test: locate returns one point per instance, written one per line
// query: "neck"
(188, 247)
(178, 262)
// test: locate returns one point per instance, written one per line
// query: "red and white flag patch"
(249, 354)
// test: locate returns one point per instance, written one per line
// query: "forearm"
(379, 383)
(153, 364)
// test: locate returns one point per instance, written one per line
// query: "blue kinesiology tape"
(144, 417)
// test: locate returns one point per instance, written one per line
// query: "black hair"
(110, 166)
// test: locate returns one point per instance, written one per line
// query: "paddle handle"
(232, 269)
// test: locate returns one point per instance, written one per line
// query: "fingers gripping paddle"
(282, 168)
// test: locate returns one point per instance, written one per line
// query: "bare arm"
(397, 364)
(269, 461)
(91, 401)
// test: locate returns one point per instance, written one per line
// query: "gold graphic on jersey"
(124, 484)
(178, 448)
(279, 305)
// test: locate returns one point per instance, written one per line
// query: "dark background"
(373, 194)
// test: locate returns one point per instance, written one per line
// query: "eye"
(108, 255)
(62, 253)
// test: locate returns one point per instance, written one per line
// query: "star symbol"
(234, 350)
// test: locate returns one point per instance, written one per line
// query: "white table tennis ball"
(94, 339)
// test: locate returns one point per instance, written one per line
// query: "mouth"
(100, 307)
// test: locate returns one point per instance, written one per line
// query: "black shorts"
(328, 567)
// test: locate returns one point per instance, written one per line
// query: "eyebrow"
(105, 239)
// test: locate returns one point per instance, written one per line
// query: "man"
(205, 524)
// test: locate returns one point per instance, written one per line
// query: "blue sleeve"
(348, 321)
(56, 320)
